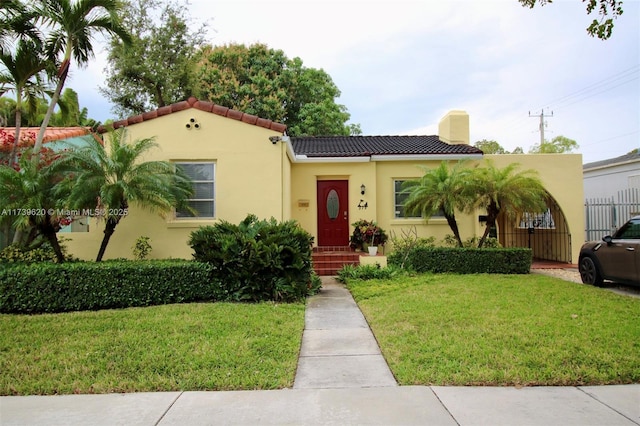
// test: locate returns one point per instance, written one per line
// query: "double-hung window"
(203, 200)
(399, 200)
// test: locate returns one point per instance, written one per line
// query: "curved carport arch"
(547, 234)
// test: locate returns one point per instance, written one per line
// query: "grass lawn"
(502, 330)
(217, 346)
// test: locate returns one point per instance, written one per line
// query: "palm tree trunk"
(62, 74)
(49, 231)
(453, 224)
(492, 215)
(14, 149)
(109, 229)
(52, 237)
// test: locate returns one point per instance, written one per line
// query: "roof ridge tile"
(205, 106)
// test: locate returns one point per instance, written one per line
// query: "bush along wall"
(47, 287)
(257, 259)
(469, 260)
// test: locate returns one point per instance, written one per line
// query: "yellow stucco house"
(243, 164)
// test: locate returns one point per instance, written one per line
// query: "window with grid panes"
(203, 200)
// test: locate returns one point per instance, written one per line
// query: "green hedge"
(468, 260)
(257, 259)
(47, 287)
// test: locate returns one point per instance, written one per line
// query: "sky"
(402, 65)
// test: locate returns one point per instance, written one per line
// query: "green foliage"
(70, 27)
(141, 248)
(115, 177)
(367, 233)
(257, 259)
(506, 192)
(158, 67)
(403, 244)
(490, 147)
(602, 27)
(490, 242)
(468, 260)
(262, 81)
(558, 145)
(366, 272)
(47, 287)
(15, 253)
(442, 189)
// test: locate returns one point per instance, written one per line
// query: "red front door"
(333, 213)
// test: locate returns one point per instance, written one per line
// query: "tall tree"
(110, 180)
(440, 189)
(602, 27)
(72, 26)
(558, 145)
(505, 191)
(264, 82)
(23, 76)
(157, 68)
(490, 147)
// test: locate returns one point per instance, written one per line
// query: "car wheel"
(589, 272)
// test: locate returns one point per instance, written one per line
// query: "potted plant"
(367, 234)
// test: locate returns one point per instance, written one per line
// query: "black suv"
(615, 258)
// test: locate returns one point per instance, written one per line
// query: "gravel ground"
(572, 274)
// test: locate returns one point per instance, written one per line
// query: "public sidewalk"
(342, 379)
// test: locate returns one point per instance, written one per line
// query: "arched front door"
(333, 212)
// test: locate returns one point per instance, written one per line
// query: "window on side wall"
(203, 200)
(399, 200)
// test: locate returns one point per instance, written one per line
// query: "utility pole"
(542, 125)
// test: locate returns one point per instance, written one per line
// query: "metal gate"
(546, 234)
(603, 216)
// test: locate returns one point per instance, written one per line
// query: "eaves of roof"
(202, 106)
(611, 162)
(51, 133)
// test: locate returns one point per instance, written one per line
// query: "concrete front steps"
(329, 260)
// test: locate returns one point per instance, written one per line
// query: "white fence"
(603, 216)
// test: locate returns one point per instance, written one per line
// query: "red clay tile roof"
(202, 106)
(51, 134)
(364, 146)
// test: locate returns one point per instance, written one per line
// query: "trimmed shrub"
(468, 260)
(257, 259)
(48, 287)
(365, 272)
(42, 252)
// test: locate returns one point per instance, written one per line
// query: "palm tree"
(34, 194)
(440, 189)
(73, 24)
(16, 23)
(506, 191)
(110, 180)
(22, 76)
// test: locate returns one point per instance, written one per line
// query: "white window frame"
(396, 214)
(212, 181)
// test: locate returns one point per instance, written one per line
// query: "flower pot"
(373, 250)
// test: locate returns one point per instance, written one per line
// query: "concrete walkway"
(338, 348)
(342, 379)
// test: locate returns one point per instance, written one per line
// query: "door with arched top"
(333, 212)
